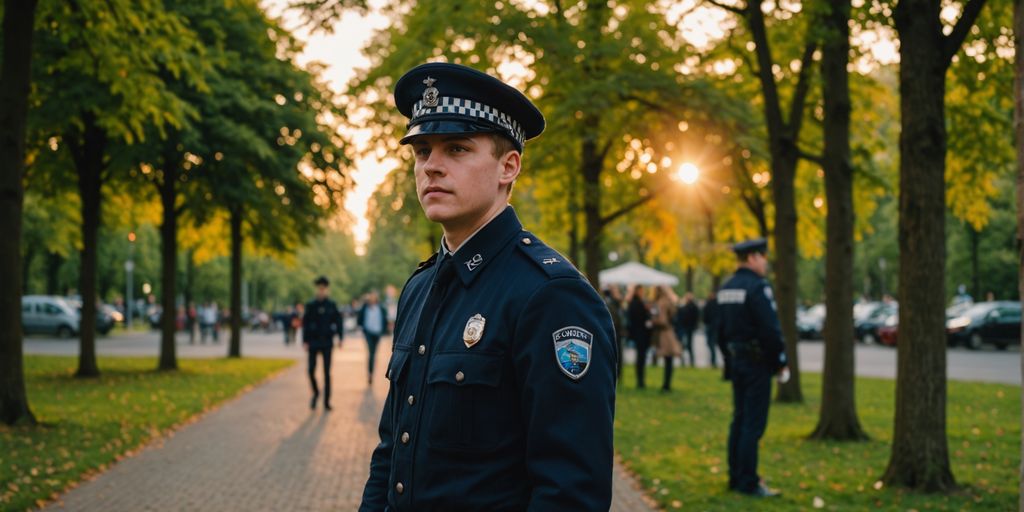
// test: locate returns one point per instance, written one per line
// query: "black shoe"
(327, 407)
(761, 491)
(312, 403)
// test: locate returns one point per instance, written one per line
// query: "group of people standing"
(664, 323)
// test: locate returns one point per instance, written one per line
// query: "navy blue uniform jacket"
(500, 425)
(320, 322)
(746, 316)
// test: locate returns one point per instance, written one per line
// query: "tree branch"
(963, 26)
(818, 159)
(740, 11)
(803, 86)
(608, 219)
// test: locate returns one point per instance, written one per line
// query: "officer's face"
(459, 181)
(321, 291)
(758, 263)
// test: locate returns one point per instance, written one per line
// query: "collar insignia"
(474, 262)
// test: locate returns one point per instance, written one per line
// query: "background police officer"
(320, 322)
(502, 378)
(749, 331)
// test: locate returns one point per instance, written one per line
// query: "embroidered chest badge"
(474, 330)
(572, 350)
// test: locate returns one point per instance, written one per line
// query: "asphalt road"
(985, 365)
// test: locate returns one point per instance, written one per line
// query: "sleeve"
(769, 333)
(307, 321)
(568, 419)
(375, 493)
(359, 315)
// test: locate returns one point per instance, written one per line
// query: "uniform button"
(405, 437)
(423, 349)
(411, 399)
(459, 377)
(527, 241)
(399, 487)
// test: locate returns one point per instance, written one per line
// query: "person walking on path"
(373, 319)
(663, 337)
(710, 318)
(685, 322)
(638, 316)
(320, 323)
(750, 330)
(502, 376)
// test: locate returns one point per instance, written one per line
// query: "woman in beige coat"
(663, 336)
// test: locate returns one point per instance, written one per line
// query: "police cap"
(750, 246)
(443, 98)
(321, 281)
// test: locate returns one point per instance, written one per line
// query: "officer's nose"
(433, 166)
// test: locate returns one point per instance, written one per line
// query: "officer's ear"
(510, 164)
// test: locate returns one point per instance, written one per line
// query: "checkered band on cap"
(465, 107)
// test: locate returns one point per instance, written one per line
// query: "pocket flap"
(466, 369)
(397, 364)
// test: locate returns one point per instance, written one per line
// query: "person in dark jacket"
(502, 378)
(749, 329)
(685, 322)
(373, 319)
(710, 318)
(638, 317)
(320, 323)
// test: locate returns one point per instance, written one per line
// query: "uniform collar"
(748, 271)
(483, 246)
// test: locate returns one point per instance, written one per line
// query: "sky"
(341, 52)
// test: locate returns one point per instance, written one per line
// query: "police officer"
(320, 323)
(749, 332)
(502, 379)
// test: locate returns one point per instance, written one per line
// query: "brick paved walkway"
(266, 451)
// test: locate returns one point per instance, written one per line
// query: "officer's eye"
(458, 148)
(421, 151)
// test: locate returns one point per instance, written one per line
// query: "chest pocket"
(469, 408)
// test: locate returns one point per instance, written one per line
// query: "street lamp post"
(129, 267)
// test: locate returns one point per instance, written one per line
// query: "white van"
(43, 314)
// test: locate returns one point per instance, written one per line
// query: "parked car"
(996, 322)
(889, 329)
(106, 315)
(809, 322)
(871, 317)
(43, 314)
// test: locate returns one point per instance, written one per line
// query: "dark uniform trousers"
(749, 333)
(498, 425)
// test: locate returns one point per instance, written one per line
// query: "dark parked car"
(869, 317)
(996, 322)
(890, 328)
(106, 316)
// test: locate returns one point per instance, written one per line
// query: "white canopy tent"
(637, 273)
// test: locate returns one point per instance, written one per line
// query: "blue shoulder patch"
(549, 260)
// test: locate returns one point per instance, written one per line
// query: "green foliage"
(676, 444)
(86, 425)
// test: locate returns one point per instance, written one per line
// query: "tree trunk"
(920, 453)
(837, 417)
(593, 224)
(574, 210)
(1018, 29)
(26, 267)
(235, 347)
(169, 263)
(53, 263)
(15, 76)
(975, 283)
(88, 154)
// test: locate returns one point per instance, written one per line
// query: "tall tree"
(920, 452)
(785, 154)
(1018, 121)
(100, 85)
(15, 76)
(838, 413)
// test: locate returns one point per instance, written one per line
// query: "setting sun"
(688, 173)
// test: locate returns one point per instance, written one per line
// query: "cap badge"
(474, 330)
(431, 95)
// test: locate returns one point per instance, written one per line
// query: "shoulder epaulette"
(425, 264)
(553, 263)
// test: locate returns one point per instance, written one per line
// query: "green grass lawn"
(676, 445)
(86, 424)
